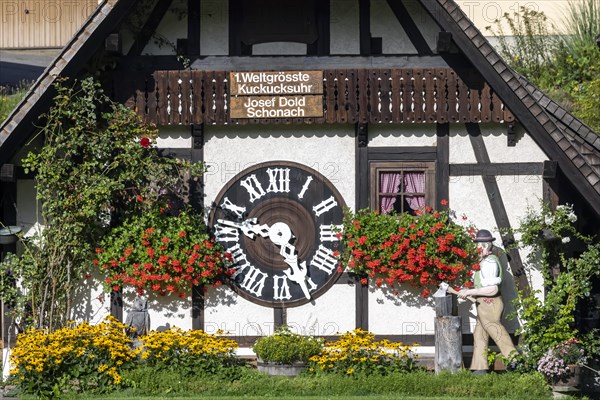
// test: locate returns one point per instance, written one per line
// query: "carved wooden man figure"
(486, 291)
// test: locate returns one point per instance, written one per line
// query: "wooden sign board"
(275, 83)
(276, 106)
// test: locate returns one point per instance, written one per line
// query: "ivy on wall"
(97, 159)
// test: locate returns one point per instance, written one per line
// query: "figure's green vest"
(477, 277)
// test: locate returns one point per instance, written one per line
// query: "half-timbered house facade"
(328, 102)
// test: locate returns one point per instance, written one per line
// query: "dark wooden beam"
(442, 189)
(498, 209)
(193, 22)
(364, 26)
(116, 304)
(321, 46)
(197, 155)
(362, 201)
(145, 34)
(534, 169)
(8, 214)
(425, 339)
(279, 317)
(412, 30)
(198, 307)
(417, 153)
(235, 24)
(197, 200)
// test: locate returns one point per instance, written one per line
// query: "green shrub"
(286, 347)
(149, 382)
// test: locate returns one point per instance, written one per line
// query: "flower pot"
(8, 235)
(271, 368)
(569, 384)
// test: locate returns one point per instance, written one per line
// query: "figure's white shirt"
(489, 272)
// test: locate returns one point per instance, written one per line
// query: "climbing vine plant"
(96, 163)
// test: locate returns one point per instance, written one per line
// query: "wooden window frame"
(376, 167)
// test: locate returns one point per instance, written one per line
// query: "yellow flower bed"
(357, 352)
(77, 357)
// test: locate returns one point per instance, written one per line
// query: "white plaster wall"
(344, 30)
(225, 310)
(173, 26)
(468, 198)
(174, 137)
(5, 363)
(91, 303)
(494, 138)
(28, 208)
(231, 149)
(403, 135)
(329, 149)
(332, 313)
(405, 314)
(165, 311)
(214, 27)
(461, 150)
(385, 25)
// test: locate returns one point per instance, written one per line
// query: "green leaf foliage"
(97, 159)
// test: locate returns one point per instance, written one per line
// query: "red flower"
(182, 234)
(145, 142)
(364, 281)
(444, 202)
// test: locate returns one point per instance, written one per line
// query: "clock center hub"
(290, 223)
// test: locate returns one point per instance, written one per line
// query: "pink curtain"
(414, 182)
(390, 183)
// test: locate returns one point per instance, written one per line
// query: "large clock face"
(279, 220)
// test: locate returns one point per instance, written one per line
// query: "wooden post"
(448, 337)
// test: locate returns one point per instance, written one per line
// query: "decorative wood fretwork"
(436, 95)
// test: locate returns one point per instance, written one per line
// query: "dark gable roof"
(563, 138)
(17, 128)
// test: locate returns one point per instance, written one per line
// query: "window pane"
(415, 202)
(389, 183)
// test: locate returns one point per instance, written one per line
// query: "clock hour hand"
(280, 234)
(248, 227)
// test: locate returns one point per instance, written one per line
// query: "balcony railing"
(184, 97)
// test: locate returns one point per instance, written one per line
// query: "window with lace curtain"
(401, 186)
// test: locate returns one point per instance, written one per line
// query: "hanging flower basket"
(8, 235)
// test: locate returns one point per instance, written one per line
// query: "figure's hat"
(484, 236)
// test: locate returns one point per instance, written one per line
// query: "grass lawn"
(387, 397)
(147, 383)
